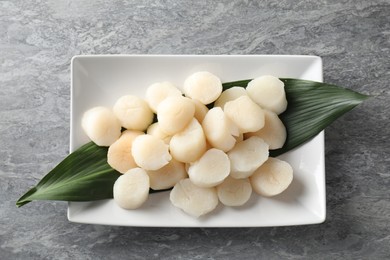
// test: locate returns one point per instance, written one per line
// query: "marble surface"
(37, 41)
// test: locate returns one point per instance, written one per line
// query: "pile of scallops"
(206, 155)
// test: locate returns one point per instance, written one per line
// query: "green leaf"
(85, 175)
(312, 106)
(82, 176)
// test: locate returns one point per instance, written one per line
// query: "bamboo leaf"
(312, 106)
(85, 175)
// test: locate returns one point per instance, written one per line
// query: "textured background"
(37, 41)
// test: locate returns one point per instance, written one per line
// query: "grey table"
(37, 41)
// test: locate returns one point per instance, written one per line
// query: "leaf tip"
(20, 203)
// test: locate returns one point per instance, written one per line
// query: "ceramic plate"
(100, 80)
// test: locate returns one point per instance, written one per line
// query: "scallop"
(167, 176)
(220, 131)
(133, 113)
(119, 155)
(101, 126)
(272, 178)
(159, 91)
(131, 189)
(247, 156)
(193, 200)
(273, 133)
(150, 152)
(246, 114)
(190, 144)
(174, 114)
(268, 92)
(203, 86)
(230, 95)
(211, 169)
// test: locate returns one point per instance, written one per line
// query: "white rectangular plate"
(100, 80)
